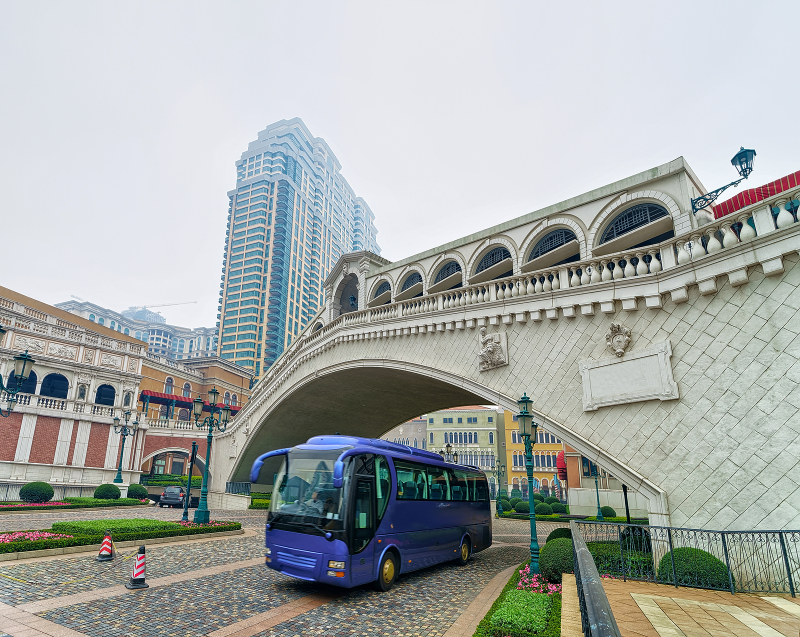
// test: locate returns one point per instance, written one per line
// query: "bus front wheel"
(463, 552)
(387, 573)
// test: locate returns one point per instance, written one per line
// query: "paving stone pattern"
(188, 609)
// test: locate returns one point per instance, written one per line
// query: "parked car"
(172, 496)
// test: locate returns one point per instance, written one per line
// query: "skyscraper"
(290, 217)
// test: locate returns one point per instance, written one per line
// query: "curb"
(75, 508)
(93, 548)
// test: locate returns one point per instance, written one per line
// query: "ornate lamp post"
(192, 458)
(500, 471)
(124, 431)
(202, 514)
(600, 517)
(743, 162)
(525, 419)
(23, 365)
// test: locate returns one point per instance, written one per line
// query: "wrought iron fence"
(10, 492)
(597, 619)
(238, 488)
(738, 561)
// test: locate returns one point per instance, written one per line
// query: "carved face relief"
(618, 338)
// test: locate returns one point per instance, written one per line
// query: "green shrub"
(558, 507)
(522, 613)
(543, 509)
(522, 507)
(259, 504)
(560, 533)
(258, 495)
(36, 492)
(516, 493)
(137, 491)
(551, 500)
(99, 527)
(506, 505)
(555, 558)
(538, 497)
(514, 501)
(608, 512)
(107, 492)
(694, 567)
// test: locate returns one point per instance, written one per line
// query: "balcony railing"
(60, 404)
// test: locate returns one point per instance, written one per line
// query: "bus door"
(363, 526)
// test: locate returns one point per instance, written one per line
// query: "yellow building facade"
(545, 452)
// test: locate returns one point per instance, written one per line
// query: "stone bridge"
(690, 398)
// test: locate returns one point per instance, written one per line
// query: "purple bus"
(348, 511)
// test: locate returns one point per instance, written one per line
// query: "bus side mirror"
(338, 472)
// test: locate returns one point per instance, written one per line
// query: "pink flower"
(34, 504)
(30, 536)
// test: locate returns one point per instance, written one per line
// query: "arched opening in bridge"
(28, 387)
(448, 277)
(641, 225)
(383, 294)
(105, 395)
(495, 264)
(555, 248)
(55, 386)
(346, 296)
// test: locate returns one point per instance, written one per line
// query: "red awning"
(754, 195)
(561, 465)
(158, 398)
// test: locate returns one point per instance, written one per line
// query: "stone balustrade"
(27, 402)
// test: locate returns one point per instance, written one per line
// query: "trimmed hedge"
(36, 492)
(558, 507)
(593, 518)
(522, 613)
(107, 492)
(543, 509)
(522, 507)
(515, 501)
(694, 567)
(137, 491)
(259, 504)
(87, 540)
(608, 512)
(555, 559)
(75, 503)
(99, 527)
(538, 497)
(559, 533)
(551, 500)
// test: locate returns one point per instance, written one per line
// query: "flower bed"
(72, 503)
(32, 536)
(124, 534)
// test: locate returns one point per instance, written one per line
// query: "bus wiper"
(314, 526)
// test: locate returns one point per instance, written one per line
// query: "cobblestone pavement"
(426, 602)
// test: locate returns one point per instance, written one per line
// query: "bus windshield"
(304, 498)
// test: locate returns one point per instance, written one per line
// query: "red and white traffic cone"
(137, 577)
(106, 549)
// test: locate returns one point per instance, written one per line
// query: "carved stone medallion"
(132, 366)
(88, 356)
(618, 338)
(493, 350)
(28, 343)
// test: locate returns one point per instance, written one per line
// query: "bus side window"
(382, 481)
(438, 483)
(459, 486)
(481, 489)
(409, 484)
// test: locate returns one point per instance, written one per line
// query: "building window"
(448, 269)
(412, 279)
(187, 390)
(491, 438)
(431, 437)
(430, 421)
(469, 436)
(459, 421)
(382, 288)
(491, 419)
(227, 398)
(169, 385)
(81, 392)
(101, 321)
(91, 317)
(551, 241)
(126, 401)
(183, 415)
(631, 219)
(233, 400)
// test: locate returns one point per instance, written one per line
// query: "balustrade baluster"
(630, 269)
(712, 244)
(684, 253)
(747, 233)
(530, 288)
(546, 285)
(606, 275)
(555, 283)
(729, 238)
(655, 263)
(641, 267)
(575, 280)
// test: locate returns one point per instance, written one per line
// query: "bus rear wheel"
(463, 552)
(387, 573)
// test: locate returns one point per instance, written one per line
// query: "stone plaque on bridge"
(634, 377)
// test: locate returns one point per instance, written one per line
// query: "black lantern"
(743, 161)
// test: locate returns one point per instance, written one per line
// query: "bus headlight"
(332, 564)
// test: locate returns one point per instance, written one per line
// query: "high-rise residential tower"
(290, 217)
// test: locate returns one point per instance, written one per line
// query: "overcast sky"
(120, 122)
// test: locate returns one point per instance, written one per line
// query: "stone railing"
(169, 423)
(176, 366)
(664, 264)
(60, 404)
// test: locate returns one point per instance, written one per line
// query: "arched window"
(127, 331)
(475, 434)
(105, 395)
(54, 386)
(183, 415)
(431, 437)
(549, 460)
(461, 437)
(91, 318)
(634, 218)
(469, 436)
(126, 400)
(187, 390)
(382, 288)
(553, 240)
(544, 482)
(82, 389)
(113, 325)
(536, 460)
(448, 269)
(415, 442)
(227, 398)
(101, 321)
(491, 437)
(28, 387)
(169, 385)
(234, 400)
(181, 344)
(317, 327)
(412, 279)
(163, 412)
(493, 257)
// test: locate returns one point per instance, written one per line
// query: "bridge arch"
(382, 394)
(345, 296)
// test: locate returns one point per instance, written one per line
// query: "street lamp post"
(500, 471)
(23, 365)
(124, 431)
(192, 458)
(525, 420)
(202, 514)
(600, 517)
